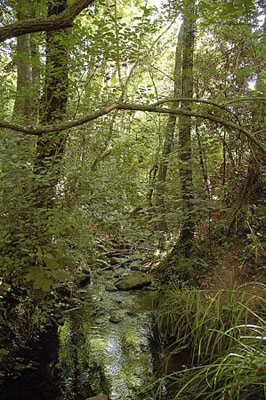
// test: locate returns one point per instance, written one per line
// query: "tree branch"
(181, 111)
(39, 130)
(42, 129)
(63, 20)
(246, 99)
(192, 100)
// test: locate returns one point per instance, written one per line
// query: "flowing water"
(102, 347)
(105, 346)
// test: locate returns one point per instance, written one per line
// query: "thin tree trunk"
(168, 143)
(23, 102)
(23, 111)
(24, 107)
(202, 164)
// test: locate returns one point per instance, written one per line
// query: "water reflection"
(99, 356)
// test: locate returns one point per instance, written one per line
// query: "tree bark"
(168, 143)
(27, 61)
(61, 20)
(50, 146)
(23, 101)
(187, 225)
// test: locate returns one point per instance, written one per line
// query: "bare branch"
(246, 99)
(260, 131)
(63, 20)
(39, 130)
(180, 111)
(192, 100)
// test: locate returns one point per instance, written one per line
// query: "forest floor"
(234, 270)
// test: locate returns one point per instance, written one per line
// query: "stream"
(108, 342)
(102, 348)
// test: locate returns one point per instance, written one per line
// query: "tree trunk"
(50, 146)
(23, 102)
(178, 258)
(168, 143)
(28, 77)
(187, 225)
(253, 189)
(23, 111)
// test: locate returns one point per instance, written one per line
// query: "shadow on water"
(104, 347)
(38, 382)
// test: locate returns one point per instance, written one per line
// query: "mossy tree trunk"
(185, 152)
(182, 249)
(50, 146)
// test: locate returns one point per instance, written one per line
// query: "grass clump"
(225, 333)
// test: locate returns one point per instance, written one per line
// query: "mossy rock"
(133, 280)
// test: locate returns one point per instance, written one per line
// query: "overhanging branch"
(63, 20)
(40, 130)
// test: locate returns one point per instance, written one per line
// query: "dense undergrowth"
(224, 333)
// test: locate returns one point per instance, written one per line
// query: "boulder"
(133, 280)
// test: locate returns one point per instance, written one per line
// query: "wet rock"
(133, 280)
(116, 317)
(110, 287)
(100, 397)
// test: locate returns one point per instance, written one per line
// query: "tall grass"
(225, 333)
(240, 374)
